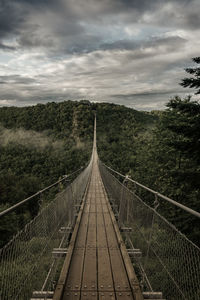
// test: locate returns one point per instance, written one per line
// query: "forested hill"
(39, 144)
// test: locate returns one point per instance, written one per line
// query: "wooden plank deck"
(97, 265)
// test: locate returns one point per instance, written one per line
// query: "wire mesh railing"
(14, 218)
(170, 262)
(26, 262)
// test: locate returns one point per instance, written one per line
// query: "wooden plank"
(98, 207)
(124, 296)
(89, 281)
(105, 280)
(92, 207)
(87, 207)
(120, 278)
(69, 295)
(111, 236)
(107, 296)
(101, 232)
(105, 208)
(91, 234)
(89, 296)
(74, 277)
(82, 232)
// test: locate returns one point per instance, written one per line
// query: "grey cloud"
(36, 2)
(147, 101)
(16, 79)
(171, 40)
(31, 38)
(12, 17)
(177, 14)
(144, 4)
(171, 43)
(140, 5)
(6, 47)
(167, 44)
(193, 19)
(121, 44)
(15, 15)
(150, 93)
(87, 44)
(59, 27)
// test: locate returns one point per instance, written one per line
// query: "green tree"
(183, 119)
(176, 155)
(193, 82)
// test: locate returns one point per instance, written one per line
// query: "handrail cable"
(191, 211)
(8, 210)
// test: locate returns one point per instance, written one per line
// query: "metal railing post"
(122, 204)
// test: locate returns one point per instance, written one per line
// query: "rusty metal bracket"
(125, 229)
(135, 253)
(153, 295)
(41, 295)
(59, 252)
(65, 230)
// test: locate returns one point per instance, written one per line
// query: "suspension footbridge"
(99, 240)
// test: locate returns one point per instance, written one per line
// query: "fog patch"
(29, 138)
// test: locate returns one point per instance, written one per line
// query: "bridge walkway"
(97, 265)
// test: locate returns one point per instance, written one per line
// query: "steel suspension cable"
(191, 211)
(8, 210)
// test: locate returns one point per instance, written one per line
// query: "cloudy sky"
(130, 52)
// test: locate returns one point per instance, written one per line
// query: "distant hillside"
(58, 136)
(38, 144)
(43, 142)
(118, 131)
(61, 119)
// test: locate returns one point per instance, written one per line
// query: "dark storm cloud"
(63, 19)
(11, 17)
(14, 14)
